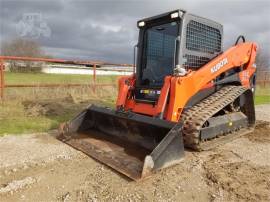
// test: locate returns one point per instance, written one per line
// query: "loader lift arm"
(240, 55)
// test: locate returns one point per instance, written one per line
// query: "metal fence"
(92, 78)
(263, 78)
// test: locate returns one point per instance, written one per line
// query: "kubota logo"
(219, 65)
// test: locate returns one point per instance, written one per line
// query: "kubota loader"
(185, 92)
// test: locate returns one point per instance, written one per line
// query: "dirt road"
(37, 167)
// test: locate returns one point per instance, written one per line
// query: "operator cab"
(170, 40)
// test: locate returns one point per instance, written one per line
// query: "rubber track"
(194, 117)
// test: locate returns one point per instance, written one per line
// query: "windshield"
(158, 54)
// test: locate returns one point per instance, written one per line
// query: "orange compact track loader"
(185, 92)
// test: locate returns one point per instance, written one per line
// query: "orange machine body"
(178, 90)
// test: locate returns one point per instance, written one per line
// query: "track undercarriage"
(225, 115)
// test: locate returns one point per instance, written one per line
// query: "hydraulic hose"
(240, 37)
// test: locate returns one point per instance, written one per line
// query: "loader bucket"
(133, 144)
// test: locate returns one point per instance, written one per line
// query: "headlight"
(175, 15)
(141, 24)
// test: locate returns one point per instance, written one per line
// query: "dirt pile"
(240, 171)
(236, 181)
(57, 107)
(47, 107)
(262, 134)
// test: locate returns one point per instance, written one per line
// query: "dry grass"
(40, 109)
(77, 93)
(27, 110)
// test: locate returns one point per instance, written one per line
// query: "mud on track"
(37, 167)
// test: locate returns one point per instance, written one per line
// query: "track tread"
(194, 117)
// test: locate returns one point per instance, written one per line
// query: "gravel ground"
(37, 167)
(263, 112)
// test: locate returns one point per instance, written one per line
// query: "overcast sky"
(106, 30)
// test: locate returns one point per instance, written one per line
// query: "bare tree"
(262, 60)
(23, 48)
(263, 66)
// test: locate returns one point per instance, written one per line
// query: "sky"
(106, 29)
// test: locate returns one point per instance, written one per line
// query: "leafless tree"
(263, 66)
(23, 48)
(262, 60)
